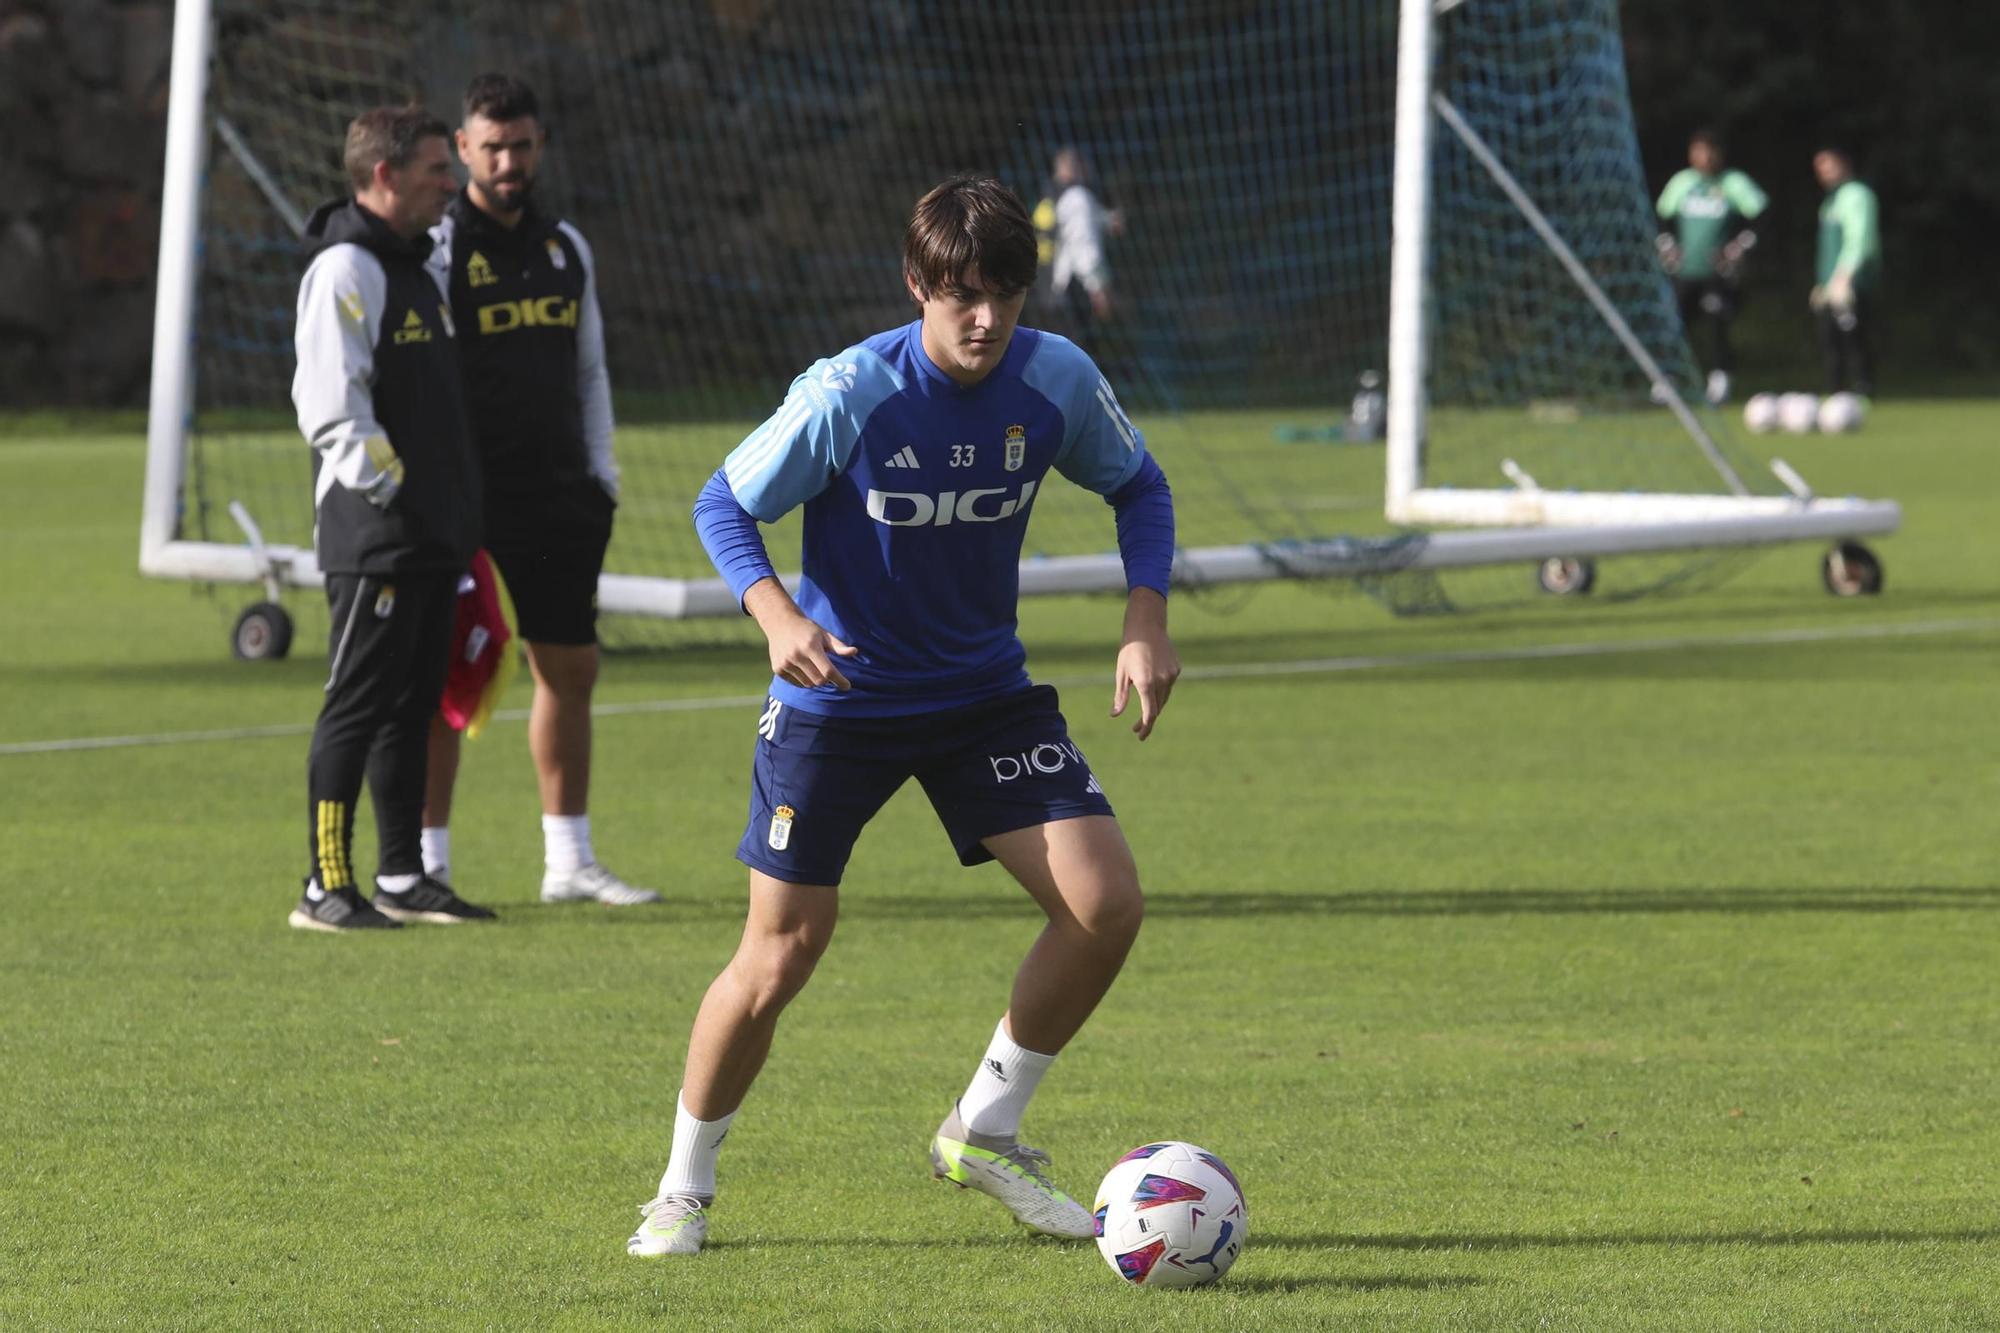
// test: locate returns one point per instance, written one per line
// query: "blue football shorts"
(991, 767)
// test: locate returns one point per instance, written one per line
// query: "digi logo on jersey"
(528, 313)
(914, 509)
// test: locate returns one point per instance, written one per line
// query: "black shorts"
(550, 565)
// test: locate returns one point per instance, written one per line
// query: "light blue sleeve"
(1101, 449)
(804, 445)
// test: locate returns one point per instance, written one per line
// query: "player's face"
(1830, 169)
(502, 157)
(968, 324)
(1703, 157)
(420, 189)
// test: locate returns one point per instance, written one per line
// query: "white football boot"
(1011, 1173)
(594, 884)
(672, 1224)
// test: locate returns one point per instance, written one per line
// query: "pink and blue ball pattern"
(1154, 1191)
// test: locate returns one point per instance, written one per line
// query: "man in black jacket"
(397, 508)
(522, 286)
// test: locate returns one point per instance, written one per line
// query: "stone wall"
(83, 94)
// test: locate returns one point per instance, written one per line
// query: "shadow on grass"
(727, 905)
(1376, 1282)
(1614, 1239)
(1467, 902)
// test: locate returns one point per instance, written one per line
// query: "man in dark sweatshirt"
(396, 498)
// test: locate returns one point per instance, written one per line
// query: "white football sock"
(566, 843)
(697, 1143)
(1007, 1078)
(397, 883)
(437, 852)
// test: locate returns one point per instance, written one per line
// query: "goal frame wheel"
(1566, 576)
(262, 633)
(1849, 569)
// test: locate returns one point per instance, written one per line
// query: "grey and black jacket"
(395, 481)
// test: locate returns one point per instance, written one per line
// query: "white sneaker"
(593, 883)
(673, 1224)
(1010, 1173)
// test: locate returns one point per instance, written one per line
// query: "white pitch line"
(1312, 666)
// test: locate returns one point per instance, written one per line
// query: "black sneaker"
(429, 900)
(343, 909)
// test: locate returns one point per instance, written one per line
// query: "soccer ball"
(1840, 413)
(1170, 1215)
(1798, 413)
(1760, 414)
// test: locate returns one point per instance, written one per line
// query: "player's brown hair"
(387, 134)
(970, 222)
(501, 97)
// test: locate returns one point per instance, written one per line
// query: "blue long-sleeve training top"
(917, 493)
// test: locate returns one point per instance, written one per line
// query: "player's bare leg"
(441, 772)
(786, 931)
(1081, 873)
(440, 780)
(788, 928)
(559, 723)
(559, 739)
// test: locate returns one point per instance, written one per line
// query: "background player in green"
(1708, 210)
(1847, 278)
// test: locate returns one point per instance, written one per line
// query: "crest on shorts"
(385, 601)
(1017, 447)
(781, 828)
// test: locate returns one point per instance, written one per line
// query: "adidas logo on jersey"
(414, 330)
(904, 457)
(478, 272)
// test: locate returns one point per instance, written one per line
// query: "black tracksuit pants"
(389, 649)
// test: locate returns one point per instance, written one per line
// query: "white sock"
(437, 852)
(566, 843)
(397, 883)
(697, 1143)
(1007, 1078)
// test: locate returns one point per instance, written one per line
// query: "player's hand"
(1840, 291)
(1100, 303)
(1670, 253)
(1147, 663)
(1817, 299)
(803, 653)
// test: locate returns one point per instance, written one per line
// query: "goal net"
(743, 170)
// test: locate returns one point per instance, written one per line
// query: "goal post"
(1316, 190)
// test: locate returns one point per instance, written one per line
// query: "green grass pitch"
(1647, 985)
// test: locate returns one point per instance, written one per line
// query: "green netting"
(744, 168)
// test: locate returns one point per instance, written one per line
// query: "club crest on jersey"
(781, 828)
(556, 255)
(385, 601)
(1017, 447)
(478, 272)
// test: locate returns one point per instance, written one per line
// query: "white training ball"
(1170, 1215)
(1840, 413)
(1760, 414)
(1798, 413)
